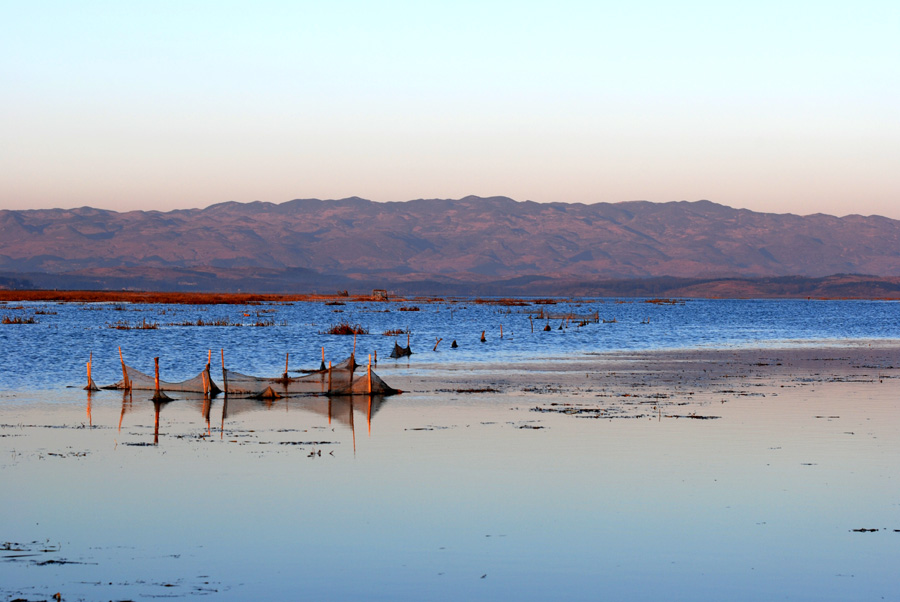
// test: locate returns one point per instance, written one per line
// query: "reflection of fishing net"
(202, 383)
(342, 379)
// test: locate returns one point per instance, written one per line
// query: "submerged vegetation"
(346, 328)
(18, 320)
(125, 325)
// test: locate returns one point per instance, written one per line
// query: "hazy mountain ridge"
(470, 239)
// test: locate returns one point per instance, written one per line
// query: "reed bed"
(125, 325)
(345, 328)
(18, 320)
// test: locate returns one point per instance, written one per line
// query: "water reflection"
(342, 409)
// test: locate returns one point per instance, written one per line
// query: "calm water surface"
(437, 495)
(53, 352)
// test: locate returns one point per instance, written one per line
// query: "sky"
(785, 107)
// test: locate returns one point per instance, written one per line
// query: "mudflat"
(695, 474)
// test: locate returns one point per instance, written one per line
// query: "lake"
(696, 450)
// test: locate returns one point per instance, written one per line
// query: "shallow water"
(53, 352)
(438, 494)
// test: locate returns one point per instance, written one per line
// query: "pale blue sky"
(772, 106)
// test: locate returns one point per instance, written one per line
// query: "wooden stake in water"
(501, 331)
(224, 377)
(91, 386)
(156, 378)
(125, 382)
(286, 357)
(207, 379)
(369, 375)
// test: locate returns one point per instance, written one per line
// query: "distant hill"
(449, 243)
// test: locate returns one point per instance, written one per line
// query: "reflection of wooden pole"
(352, 426)
(329, 376)
(207, 407)
(125, 382)
(122, 415)
(157, 406)
(90, 420)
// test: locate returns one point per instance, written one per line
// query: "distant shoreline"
(214, 298)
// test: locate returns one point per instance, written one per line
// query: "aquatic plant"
(346, 328)
(18, 320)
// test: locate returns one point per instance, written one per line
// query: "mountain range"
(470, 242)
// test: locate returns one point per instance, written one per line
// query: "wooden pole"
(436, 343)
(482, 337)
(530, 319)
(369, 375)
(354, 346)
(501, 331)
(90, 381)
(156, 377)
(376, 357)
(125, 382)
(224, 377)
(286, 357)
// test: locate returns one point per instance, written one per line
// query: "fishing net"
(139, 381)
(342, 379)
(399, 351)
